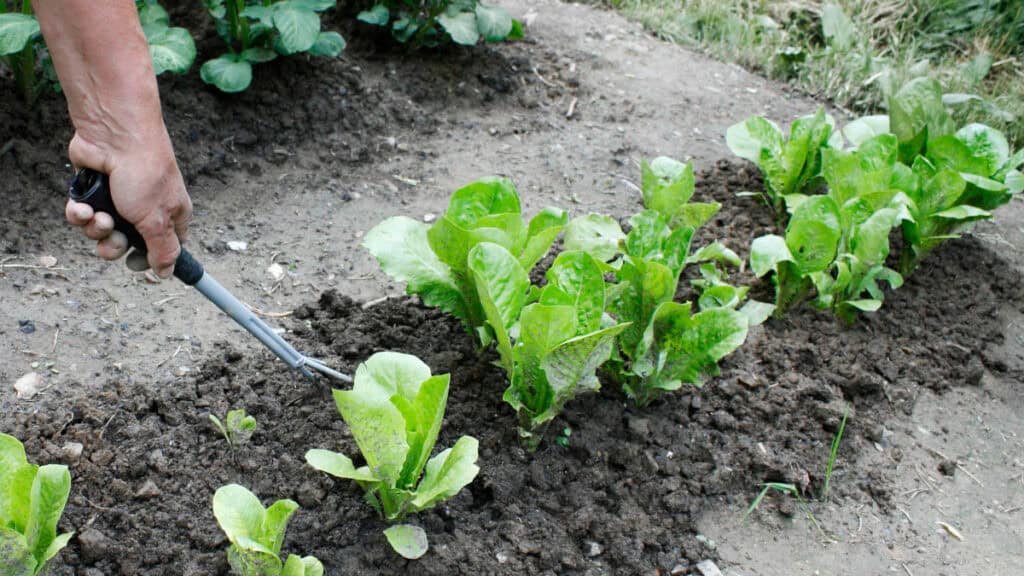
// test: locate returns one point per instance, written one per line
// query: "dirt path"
(375, 135)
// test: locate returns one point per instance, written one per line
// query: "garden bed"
(622, 494)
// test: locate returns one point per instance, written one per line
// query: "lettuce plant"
(432, 260)
(550, 349)
(666, 344)
(257, 31)
(257, 533)
(32, 499)
(789, 166)
(237, 427)
(394, 411)
(22, 46)
(431, 23)
(836, 245)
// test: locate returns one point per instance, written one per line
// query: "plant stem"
(23, 67)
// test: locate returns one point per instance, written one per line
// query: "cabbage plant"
(433, 260)
(258, 31)
(257, 534)
(32, 499)
(431, 23)
(394, 411)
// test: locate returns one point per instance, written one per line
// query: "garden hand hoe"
(91, 187)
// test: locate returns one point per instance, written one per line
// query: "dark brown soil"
(622, 497)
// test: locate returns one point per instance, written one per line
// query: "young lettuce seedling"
(257, 31)
(394, 410)
(550, 349)
(237, 427)
(789, 167)
(432, 260)
(836, 245)
(257, 533)
(32, 499)
(666, 344)
(431, 23)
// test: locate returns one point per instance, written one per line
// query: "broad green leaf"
(393, 373)
(338, 465)
(987, 144)
(666, 184)
(501, 284)
(253, 562)
(870, 241)
(953, 153)
(328, 44)
(493, 23)
(409, 541)
(423, 416)
(863, 129)
(240, 515)
(917, 115)
(766, 252)
(575, 279)
(228, 72)
(644, 287)
(153, 13)
(964, 213)
(596, 234)
(718, 252)
(691, 346)
(813, 234)
(757, 312)
(447, 473)
(543, 230)
(867, 170)
(1014, 181)
(485, 197)
(16, 31)
(650, 230)
(572, 366)
(378, 428)
(172, 50)
(308, 566)
(865, 305)
(314, 5)
(50, 490)
(275, 524)
(378, 15)
(401, 247)
(461, 26)
(694, 215)
(753, 138)
(984, 192)
(258, 55)
(298, 27)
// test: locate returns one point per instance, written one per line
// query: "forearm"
(103, 63)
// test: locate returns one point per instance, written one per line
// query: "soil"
(316, 153)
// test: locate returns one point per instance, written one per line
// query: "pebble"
(28, 385)
(501, 557)
(708, 568)
(679, 570)
(237, 245)
(72, 452)
(94, 545)
(148, 490)
(594, 549)
(429, 217)
(26, 326)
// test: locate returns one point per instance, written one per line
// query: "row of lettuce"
(257, 31)
(606, 305)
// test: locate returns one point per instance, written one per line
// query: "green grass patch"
(856, 53)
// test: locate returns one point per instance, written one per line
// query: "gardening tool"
(92, 188)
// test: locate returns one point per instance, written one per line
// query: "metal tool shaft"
(245, 318)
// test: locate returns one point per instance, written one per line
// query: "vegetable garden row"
(255, 32)
(606, 306)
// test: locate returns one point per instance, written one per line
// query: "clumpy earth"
(317, 152)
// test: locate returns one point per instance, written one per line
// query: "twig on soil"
(265, 314)
(171, 357)
(543, 80)
(904, 512)
(959, 466)
(109, 420)
(98, 507)
(906, 569)
(161, 302)
(572, 107)
(371, 303)
(55, 337)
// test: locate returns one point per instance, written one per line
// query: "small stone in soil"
(594, 549)
(72, 452)
(708, 568)
(148, 490)
(237, 245)
(28, 385)
(947, 467)
(26, 326)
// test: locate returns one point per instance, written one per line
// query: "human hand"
(148, 191)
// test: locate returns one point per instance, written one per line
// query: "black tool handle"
(93, 188)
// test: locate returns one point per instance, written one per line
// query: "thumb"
(161, 242)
